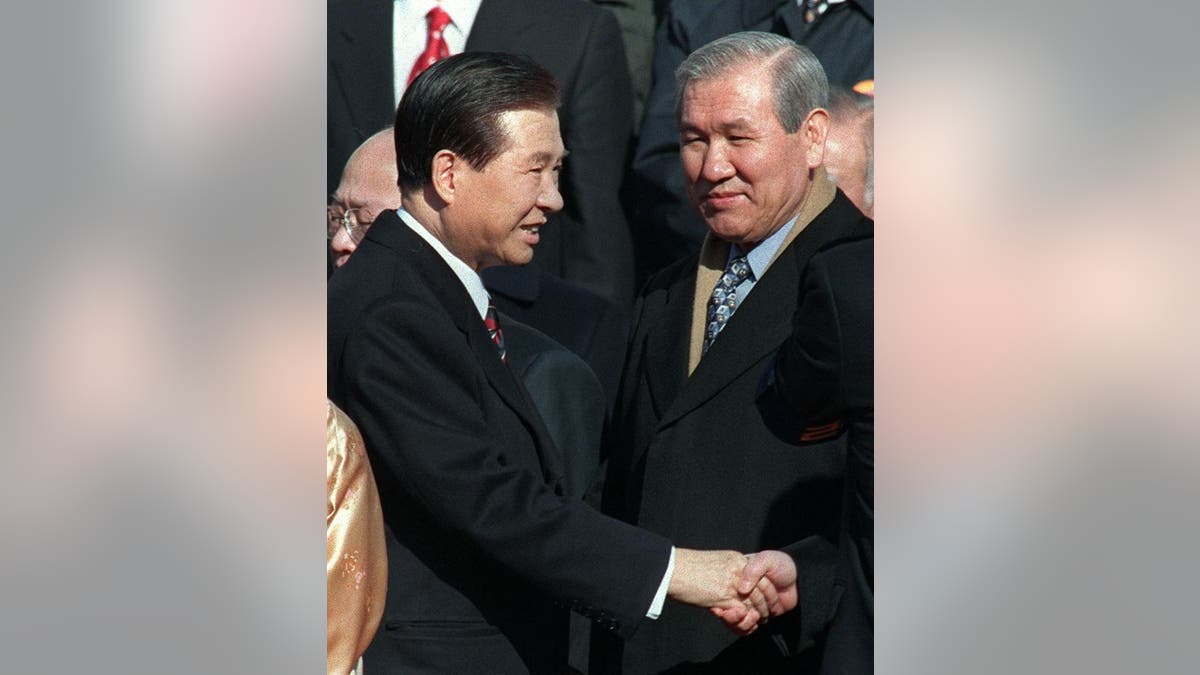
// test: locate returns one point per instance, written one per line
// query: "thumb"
(754, 570)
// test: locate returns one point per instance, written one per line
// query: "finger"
(748, 624)
(730, 615)
(733, 626)
(772, 596)
(756, 601)
(755, 569)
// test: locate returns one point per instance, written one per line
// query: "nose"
(549, 198)
(342, 246)
(717, 166)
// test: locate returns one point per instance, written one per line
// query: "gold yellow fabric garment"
(356, 560)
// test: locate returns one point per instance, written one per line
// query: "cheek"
(690, 160)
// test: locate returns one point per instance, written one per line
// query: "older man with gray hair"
(692, 458)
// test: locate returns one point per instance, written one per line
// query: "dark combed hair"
(456, 105)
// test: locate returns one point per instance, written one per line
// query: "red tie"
(492, 321)
(435, 43)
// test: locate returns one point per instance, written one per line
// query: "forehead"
(739, 95)
(532, 132)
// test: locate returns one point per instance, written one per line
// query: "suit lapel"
(755, 329)
(360, 55)
(790, 19)
(500, 26)
(505, 383)
(414, 252)
(776, 16)
(667, 343)
(763, 320)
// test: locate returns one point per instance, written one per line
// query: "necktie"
(436, 48)
(492, 321)
(814, 9)
(724, 298)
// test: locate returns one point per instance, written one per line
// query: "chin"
(523, 258)
(733, 232)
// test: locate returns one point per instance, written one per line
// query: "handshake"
(741, 590)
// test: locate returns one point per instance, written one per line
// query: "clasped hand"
(741, 590)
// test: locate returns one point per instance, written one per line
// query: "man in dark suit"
(485, 550)
(823, 378)
(564, 387)
(693, 460)
(842, 38)
(580, 43)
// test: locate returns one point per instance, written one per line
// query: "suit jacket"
(824, 375)
(485, 551)
(566, 394)
(588, 324)
(694, 462)
(843, 40)
(589, 241)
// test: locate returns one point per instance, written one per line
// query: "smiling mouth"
(721, 198)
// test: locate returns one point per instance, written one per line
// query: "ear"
(815, 128)
(445, 169)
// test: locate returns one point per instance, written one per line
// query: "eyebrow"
(739, 124)
(546, 156)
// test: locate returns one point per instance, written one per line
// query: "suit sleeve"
(800, 395)
(598, 126)
(409, 383)
(664, 211)
(822, 373)
(808, 367)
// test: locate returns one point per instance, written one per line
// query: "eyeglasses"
(337, 218)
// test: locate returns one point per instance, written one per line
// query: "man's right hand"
(710, 579)
(773, 574)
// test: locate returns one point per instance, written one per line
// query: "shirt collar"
(462, 12)
(469, 278)
(760, 256)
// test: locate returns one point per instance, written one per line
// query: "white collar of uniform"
(469, 278)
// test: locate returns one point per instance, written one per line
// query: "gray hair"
(799, 80)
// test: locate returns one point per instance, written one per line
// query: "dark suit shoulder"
(691, 14)
(844, 252)
(524, 343)
(671, 275)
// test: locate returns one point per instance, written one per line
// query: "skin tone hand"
(771, 573)
(710, 579)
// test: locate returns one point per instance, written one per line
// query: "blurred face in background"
(368, 188)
